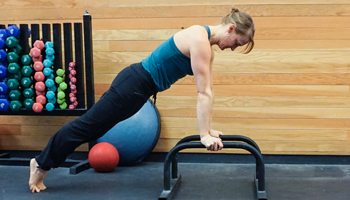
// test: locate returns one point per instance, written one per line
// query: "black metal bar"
(169, 194)
(68, 52)
(260, 176)
(4, 155)
(57, 40)
(15, 161)
(240, 138)
(24, 35)
(79, 167)
(89, 69)
(35, 31)
(46, 32)
(191, 138)
(79, 63)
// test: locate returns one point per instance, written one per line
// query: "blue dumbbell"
(3, 34)
(3, 88)
(3, 72)
(50, 106)
(4, 105)
(13, 30)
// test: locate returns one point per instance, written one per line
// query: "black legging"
(128, 92)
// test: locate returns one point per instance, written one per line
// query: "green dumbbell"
(60, 101)
(63, 105)
(15, 105)
(13, 84)
(63, 86)
(27, 70)
(58, 79)
(60, 72)
(61, 95)
(28, 93)
(11, 42)
(28, 103)
(13, 68)
(26, 82)
(26, 59)
(15, 94)
(12, 57)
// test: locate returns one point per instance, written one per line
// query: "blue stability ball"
(136, 136)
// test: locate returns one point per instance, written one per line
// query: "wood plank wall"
(291, 94)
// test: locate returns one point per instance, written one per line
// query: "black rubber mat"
(199, 181)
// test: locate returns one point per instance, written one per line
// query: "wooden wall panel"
(291, 93)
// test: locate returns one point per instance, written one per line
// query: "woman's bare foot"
(37, 175)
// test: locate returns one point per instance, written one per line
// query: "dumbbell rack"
(172, 178)
(83, 57)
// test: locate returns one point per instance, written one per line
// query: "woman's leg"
(128, 92)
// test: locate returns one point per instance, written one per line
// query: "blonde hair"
(244, 26)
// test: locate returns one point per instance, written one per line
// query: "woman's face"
(231, 39)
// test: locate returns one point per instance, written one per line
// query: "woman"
(188, 52)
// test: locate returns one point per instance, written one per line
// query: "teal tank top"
(167, 64)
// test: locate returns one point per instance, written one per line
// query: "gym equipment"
(13, 68)
(26, 82)
(27, 71)
(60, 43)
(4, 104)
(3, 55)
(40, 86)
(26, 59)
(103, 157)
(38, 66)
(28, 93)
(3, 72)
(15, 95)
(136, 136)
(15, 105)
(50, 106)
(3, 88)
(172, 178)
(39, 44)
(11, 42)
(39, 76)
(37, 107)
(12, 84)
(13, 30)
(28, 104)
(72, 81)
(12, 57)
(40, 99)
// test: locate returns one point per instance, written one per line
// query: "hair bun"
(234, 10)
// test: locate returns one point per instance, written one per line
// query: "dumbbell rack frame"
(172, 178)
(83, 57)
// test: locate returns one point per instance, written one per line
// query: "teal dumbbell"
(13, 68)
(28, 104)
(26, 82)
(13, 84)
(15, 94)
(27, 70)
(15, 105)
(28, 93)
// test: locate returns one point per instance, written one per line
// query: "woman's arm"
(201, 57)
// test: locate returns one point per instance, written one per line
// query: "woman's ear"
(232, 27)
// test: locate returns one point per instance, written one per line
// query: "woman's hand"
(215, 133)
(212, 143)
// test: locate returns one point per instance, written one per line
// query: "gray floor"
(200, 181)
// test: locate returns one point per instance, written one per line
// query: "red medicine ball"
(103, 157)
